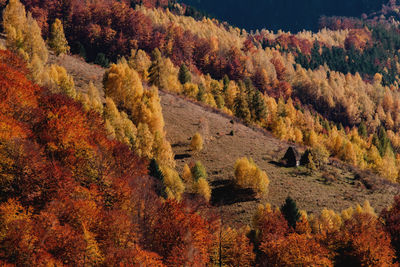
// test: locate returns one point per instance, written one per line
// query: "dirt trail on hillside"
(310, 190)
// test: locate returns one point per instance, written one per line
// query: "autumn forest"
(89, 175)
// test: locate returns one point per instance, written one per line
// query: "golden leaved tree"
(57, 40)
(197, 142)
(134, 115)
(203, 188)
(141, 62)
(249, 175)
(61, 82)
(123, 85)
(23, 32)
(118, 125)
(23, 35)
(92, 100)
(187, 174)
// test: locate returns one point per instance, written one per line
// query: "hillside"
(184, 117)
(221, 150)
(133, 134)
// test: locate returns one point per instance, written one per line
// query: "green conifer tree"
(259, 109)
(290, 212)
(201, 95)
(154, 170)
(184, 75)
(199, 171)
(226, 83)
(362, 129)
(241, 107)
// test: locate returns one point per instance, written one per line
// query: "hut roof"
(292, 151)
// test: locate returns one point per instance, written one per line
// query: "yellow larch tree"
(202, 188)
(94, 99)
(57, 40)
(249, 175)
(61, 81)
(144, 141)
(92, 253)
(141, 62)
(118, 125)
(162, 150)
(123, 85)
(232, 248)
(174, 187)
(187, 174)
(23, 35)
(197, 143)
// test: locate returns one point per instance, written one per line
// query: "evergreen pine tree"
(199, 171)
(154, 170)
(102, 60)
(241, 107)
(226, 83)
(362, 129)
(184, 75)
(290, 211)
(382, 141)
(259, 108)
(201, 94)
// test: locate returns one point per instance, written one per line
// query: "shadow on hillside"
(179, 144)
(225, 193)
(182, 156)
(276, 163)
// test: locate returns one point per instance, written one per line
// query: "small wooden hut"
(305, 159)
(291, 158)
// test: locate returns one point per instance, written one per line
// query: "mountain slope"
(183, 118)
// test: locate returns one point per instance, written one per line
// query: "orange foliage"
(288, 41)
(392, 223)
(270, 225)
(364, 242)
(13, 77)
(180, 237)
(295, 250)
(80, 199)
(358, 38)
(10, 128)
(279, 246)
(279, 68)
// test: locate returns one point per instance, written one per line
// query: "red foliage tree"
(179, 235)
(363, 242)
(295, 250)
(391, 217)
(81, 199)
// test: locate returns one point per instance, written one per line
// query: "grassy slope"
(183, 118)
